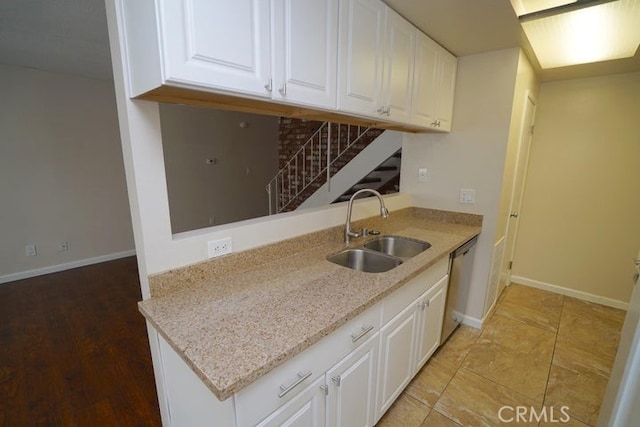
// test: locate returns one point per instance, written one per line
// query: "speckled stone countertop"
(235, 318)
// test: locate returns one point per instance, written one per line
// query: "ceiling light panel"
(596, 33)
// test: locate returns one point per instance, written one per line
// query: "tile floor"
(537, 350)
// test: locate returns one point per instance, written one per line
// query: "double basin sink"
(380, 254)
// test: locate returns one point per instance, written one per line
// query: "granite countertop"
(235, 318)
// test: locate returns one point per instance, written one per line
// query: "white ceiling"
(70, 36)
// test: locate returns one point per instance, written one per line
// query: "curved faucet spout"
(384, 213)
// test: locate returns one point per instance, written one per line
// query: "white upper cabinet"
(353, 57)
(305, 51)
(398, 67)
(433, 85)
(360, 62)
(212, 44)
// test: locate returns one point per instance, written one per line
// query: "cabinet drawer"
(268, 393)
(399, 299)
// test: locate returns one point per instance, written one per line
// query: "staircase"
(325, 153)
(385, 179)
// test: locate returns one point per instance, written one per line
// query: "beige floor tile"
(532, 306)
(593, 310)
(430, 382)
(570, 356)
(513, 334)
(471, 400)
(524, 370)
(436, 419)
(581, 337)
(405, 412)
(581, 392)
(457, 346)
(559, 420)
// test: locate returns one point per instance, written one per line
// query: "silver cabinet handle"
(337, 380)
(283, 89)
(269, 85)
(422, 305)
(284, 389)
(387, 111)
(380, 110)
(364, 331)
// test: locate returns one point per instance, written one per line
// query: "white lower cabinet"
(429, 325)
(306, 409)
(351, 387)
(347, 379)
(410, 338)
(397, 341)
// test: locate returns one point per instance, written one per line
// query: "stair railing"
(314, 158)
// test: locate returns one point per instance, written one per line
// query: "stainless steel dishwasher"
(460, 266)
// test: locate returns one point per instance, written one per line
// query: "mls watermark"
(529, 414)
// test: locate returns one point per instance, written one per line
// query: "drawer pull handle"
(365, 330)
(284, 389)
(337, 380)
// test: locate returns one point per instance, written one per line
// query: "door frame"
(511, 235)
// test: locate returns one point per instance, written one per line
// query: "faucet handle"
(374, 232)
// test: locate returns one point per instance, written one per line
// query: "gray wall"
(233, 189)
(61, 171)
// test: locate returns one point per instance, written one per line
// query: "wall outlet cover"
(31, 250)
(220, 247)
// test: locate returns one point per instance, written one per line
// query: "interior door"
(517, 189)
(621, 404)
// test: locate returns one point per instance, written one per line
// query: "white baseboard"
(66, 266)
(570, 292)
(472, 321)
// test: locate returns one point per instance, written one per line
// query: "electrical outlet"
(31, 250)
(63, 246)
(220, 247)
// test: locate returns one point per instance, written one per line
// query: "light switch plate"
(422, 175)
(467, 195)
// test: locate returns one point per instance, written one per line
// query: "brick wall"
(296, 132)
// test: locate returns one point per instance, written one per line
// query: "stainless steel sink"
(398, 246)
(365, 260)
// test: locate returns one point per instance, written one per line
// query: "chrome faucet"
(384, 213)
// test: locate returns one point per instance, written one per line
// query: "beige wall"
(231, 190)
(61, 170)
(579, 226)
(472, 155)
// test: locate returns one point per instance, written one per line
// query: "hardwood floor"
(74, 350)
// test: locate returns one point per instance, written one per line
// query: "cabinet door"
(361, 44)
(218, 44)
(431, 307)
(305, 51)
(396, 357)
(448, 65)
(398, 69)
(352, 387)
(426, 92)
(307, 409)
